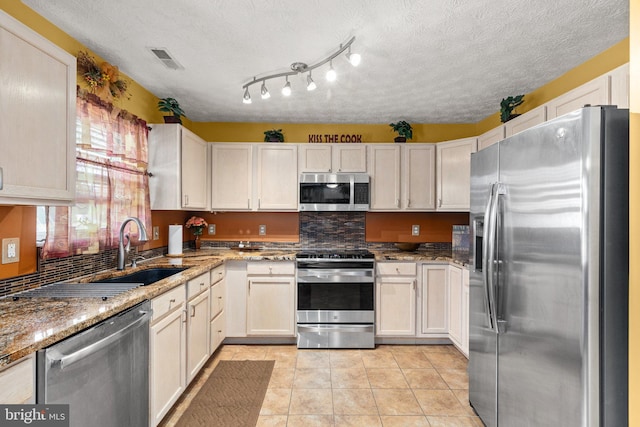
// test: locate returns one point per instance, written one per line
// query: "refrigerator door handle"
(487, 257)
(491, 222)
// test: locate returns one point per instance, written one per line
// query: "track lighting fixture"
(299, 68)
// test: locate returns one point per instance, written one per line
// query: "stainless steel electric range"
(335, 299)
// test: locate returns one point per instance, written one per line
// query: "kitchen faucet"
(143, 238)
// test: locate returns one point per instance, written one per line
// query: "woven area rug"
(232, 396)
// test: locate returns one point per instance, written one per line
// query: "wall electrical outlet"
(10, 250)
(262, 229)
(156, 232)
(212, 229)
(415, 230)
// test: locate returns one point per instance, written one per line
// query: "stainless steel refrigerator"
(549, 276)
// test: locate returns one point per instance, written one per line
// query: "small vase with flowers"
(197, 224)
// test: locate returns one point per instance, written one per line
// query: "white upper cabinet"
(231, 176)
(332, 158)
(419, 177)
(453, 171)
(595, 92)
(178, 163)
(38, 104)
(620, 86)
(491, 137)
(525, 121)
(384, 171)
(277, 177)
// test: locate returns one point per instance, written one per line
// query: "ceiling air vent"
(163, 56)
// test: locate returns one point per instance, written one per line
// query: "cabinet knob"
(397, 270)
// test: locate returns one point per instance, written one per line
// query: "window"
(111, 182)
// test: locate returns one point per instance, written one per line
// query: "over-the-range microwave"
(334, 192)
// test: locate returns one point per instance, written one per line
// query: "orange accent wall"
(281, 226)
(435, 227)
(162, 220)
(19, 221)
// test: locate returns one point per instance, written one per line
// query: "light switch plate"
(212, 229)
(10, 250)
(156, 232)
(415, 230)
(262, 229)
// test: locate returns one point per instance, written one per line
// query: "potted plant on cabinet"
(403, 129)
(507, 105)
(274, 135)
(170, 105)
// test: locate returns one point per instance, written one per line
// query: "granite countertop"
(30, 324)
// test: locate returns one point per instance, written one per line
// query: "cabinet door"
(231, 176)
(197, 334)
(194, 171)
(314, 158)
(277, 177)
(525, 121)
(434, 299)
(396, 306)
(38, 104)
(490, 137)
(454, 174)
(455, 305)
(384, 169)
(595, 92)
(349, 158)
(167, 363)
(217, 329)
(270, 306)
(235, 309)
(419, 176)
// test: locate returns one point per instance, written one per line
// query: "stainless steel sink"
(144, 277)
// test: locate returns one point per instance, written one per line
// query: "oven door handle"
(341, 328)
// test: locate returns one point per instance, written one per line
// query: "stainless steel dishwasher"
(101, 372)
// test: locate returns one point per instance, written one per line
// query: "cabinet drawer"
(268, 268)
(167, 302)
(217, 274)
(197, 285)
(217, 299)
(396, 268)
(17, 381)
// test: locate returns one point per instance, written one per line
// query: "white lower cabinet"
(395, 299)
(197, 325)
(271, 298)
(433, 300)
(167, 356)
(465, 312)
(17, 382)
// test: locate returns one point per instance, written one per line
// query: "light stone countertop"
(30, 324)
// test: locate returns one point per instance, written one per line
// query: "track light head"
(286, 90)
(264, 92)
(311, 85)
(246, 98)
(353, 58)
(331, 74)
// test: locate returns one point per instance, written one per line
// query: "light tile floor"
(391, 385)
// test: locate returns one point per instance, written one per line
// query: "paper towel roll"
(175, 240)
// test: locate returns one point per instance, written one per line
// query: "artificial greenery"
(403, 129)
(273, 135)
(507, 105)
(170, 105)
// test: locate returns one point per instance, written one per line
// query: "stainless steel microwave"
(334, 192)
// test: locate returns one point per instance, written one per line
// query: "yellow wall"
(634, 214)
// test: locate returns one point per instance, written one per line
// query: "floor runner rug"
(232, 395)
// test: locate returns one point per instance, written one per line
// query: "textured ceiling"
(424, 61)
